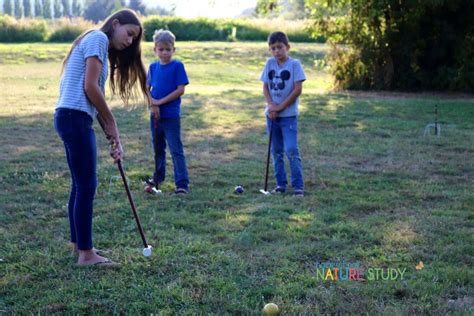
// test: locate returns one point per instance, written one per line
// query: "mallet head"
(147, 251)
(265, 192)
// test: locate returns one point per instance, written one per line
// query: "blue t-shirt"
(71, 89)
(165, 79)
(280, 80)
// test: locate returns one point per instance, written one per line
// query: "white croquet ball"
(147, 251)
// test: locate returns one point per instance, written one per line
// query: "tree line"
(405, 45)
(93, 10)
(97, 10)
(402, 45)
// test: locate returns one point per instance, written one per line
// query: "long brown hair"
(128, 61)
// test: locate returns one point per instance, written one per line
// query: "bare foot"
(75, 250)
(90, 258)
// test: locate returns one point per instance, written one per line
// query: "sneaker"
(279, 190)
(181, 191)
(150, 187)
(150, 182)
(299, 193)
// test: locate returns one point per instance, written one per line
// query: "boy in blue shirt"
(166, 81)
(283, 79)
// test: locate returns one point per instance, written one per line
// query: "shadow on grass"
(377, 192)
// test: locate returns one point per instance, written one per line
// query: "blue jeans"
(285, 140)
(75, 129)
(169, 131)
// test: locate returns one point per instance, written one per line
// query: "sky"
(206, 8)
(195, 8)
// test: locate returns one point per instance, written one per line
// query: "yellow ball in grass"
(270, 309)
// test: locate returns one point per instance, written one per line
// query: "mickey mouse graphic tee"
(281, 82)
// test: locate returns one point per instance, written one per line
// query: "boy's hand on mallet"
(276, 107)
(272, 115)
(155, 102)
(273, 110)
(156, 112)
(273, 107)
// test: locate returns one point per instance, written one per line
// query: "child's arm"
(170, 97)
(148, 94)
(298, 88)
(97, 98)
(270, 103)
(148, 90)
(266, 94)
(154, 109)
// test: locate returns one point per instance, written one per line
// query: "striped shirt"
(71, 89)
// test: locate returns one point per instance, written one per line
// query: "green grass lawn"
(379, 194)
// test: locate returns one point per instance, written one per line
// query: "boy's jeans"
(169, 131)
(285, 140)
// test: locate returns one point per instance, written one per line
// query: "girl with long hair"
(81, 99)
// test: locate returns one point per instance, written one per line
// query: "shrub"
(200, 29)
(67, 30)
(401, 45)
(297, 31)
(203, 29)
(24, 30)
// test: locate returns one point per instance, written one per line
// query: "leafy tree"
(8, 7)
(398, 44)
(47, 12)
(58, 10)
(297, 9)
(18, 9)
(138, 6)
(38, 8)
(66, 8)
(159, 11)
(27, 8)
(98, 10)
(267, 7)
(76, 8)
(330, 18)
(288, 9)
(120, 4)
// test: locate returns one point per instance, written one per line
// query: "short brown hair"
(278, 37)
(164, 36)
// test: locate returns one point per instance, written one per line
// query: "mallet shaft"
(268, 155)
(129, 195)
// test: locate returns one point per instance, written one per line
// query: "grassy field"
(379, 194)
